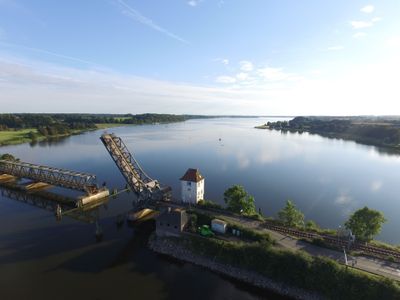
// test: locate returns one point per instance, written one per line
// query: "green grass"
(299, 269)
(12, 137)
(109, 125)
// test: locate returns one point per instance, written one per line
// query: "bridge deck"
(129, 167)
(54, 176)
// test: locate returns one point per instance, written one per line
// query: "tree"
(365, 223)
(239, 201)
(311, 225)
(290, 215)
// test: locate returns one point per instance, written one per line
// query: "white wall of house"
(192, 192)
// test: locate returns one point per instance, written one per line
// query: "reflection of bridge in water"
(59, 205)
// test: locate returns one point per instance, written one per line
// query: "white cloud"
(32, 86)
(223, 61)
(246, 66)
(137, 16)
(225, 79)
(368, 9)
(242, 76)
(272, 74)
(376, 19)
(361, 24)
(335, 48)
(359, 35)
(194, 3)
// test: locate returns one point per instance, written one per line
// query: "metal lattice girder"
(145, 187)
(54, 176)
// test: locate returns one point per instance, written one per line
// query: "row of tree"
(365, 223)
(79, 121)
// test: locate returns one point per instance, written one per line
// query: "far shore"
(21, 136)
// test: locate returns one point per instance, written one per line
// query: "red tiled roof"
(192, 175)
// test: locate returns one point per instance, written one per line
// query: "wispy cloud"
(246, 66)
(54, 88)
(361, 24)
(225, 79)
(194, 3)
(138, 17)
(368, 9)
(242, 76)
(223, 61)
(46, 52)
(274, 74)
(365, 24)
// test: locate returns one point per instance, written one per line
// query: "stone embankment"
(170, 248)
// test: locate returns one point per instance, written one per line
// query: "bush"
(209, 204)
(252, 234)
(319, 274)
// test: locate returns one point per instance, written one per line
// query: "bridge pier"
(86, 199)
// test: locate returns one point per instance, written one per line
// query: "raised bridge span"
(146, 188)
(54, 176)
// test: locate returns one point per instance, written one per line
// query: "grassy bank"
(12, 137)
(28, 135)
(299, 269)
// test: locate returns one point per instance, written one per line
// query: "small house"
(192, 186)
(171, 222)
(218, 225)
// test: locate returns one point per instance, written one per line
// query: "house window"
(176, 227)
(168, 224)
(189, 183)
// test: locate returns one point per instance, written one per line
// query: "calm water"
(326, 178)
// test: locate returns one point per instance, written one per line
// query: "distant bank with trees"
(379, 131)
(21, 128)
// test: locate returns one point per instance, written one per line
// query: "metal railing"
(54, 176)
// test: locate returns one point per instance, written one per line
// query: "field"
(12, 137)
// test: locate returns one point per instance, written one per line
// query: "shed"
(171, 222)
(218, 225)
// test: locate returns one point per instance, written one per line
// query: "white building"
(192, 186)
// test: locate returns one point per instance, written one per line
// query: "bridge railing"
(54, 176)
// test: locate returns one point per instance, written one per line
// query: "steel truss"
(145, 187)
(54, 176)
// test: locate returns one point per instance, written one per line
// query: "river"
(326, 178)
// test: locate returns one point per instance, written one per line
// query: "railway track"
(335, 241)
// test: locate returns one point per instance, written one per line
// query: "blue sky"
(259, 57)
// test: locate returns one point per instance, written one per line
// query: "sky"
(214, 57)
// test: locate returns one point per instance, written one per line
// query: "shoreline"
(166, 247)
(24, 139)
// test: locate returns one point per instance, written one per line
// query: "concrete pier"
(84, 200)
